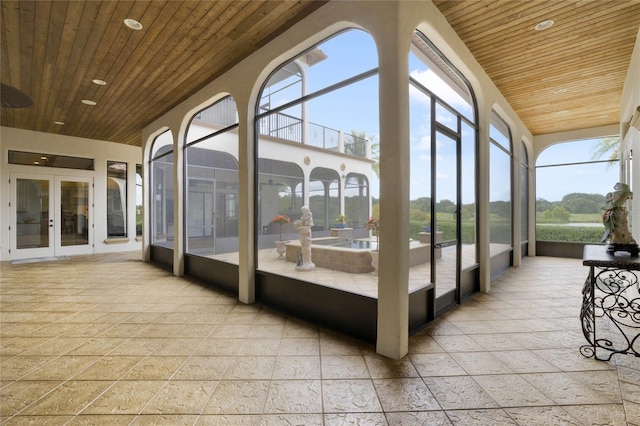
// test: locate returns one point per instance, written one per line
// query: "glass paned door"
(73, 197)
(445, 253)
(33, 221)
(50, 216)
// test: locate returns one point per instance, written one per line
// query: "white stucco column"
(178, 201)
(246, 216)
(393, 277)
(483, 244)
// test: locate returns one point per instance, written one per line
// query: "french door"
(50, 215)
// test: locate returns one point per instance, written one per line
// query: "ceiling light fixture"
(562, 111)
(546, 24)
(133, 24)
(559, 91)
(99, 82)
(88, 102)
(59, 123)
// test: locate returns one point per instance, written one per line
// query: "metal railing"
(290, 128)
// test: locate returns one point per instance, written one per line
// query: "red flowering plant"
(280, 220)
(373, 225)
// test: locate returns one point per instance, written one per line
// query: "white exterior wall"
(100, 151)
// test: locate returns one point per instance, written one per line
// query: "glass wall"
(139, 202)
(572, 181)
(211, 182)
(316, 120)
(500, 191)
(162, 190)
(524, 196)
(116, 199)
(443, 167)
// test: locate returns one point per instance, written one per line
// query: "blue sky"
(356, 108)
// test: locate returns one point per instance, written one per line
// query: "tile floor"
(110, 340)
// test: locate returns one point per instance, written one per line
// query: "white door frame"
(55, 224)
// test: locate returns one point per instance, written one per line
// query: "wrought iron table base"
(611, 299)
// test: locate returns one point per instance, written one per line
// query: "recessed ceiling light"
(559, 91)
(547, 23)
(562, 111)
(59, 123)
(133, 24)
(88, 102)
(99, 82)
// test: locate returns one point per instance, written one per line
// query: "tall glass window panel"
(432, 78)
(318, 129)
(500, 209)
(116, 199)
(572, 180)
(524, 194)
(162, 190)
(139, 200)
(212, 182)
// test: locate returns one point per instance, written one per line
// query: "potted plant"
(341, 221)
(281, 219)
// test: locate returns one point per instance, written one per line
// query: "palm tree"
(375, 149)
(607, 146)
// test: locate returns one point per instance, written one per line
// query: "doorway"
(50, 215)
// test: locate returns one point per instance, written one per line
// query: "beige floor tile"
(203, 368)
(125, 397)
(356, 395)
(250, 368)
(155, 368)
(480, 363)
(17, 395)
(238, 397)
(344, 366)
(297, 368)
(62, 368)
(105, 347)
(511, 390)
(291, 419)
(165, 419)
(381, 367)
(355, 419)
(525, 362)
(459, 393)
(299, 347)
(97, 419)
(565, 389)
(405, 394)
(436, 364)
(294, 396)
(67, 399)
(181, 397)
(495, 416)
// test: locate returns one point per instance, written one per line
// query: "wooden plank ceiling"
(52, 50)
(567, 77)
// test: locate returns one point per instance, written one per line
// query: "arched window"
(316, 118)
(162, 190)
(211, 182)
(442, 170)
(500, 185)
(572, 181)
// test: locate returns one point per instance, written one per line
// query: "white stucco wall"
(100, 151)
